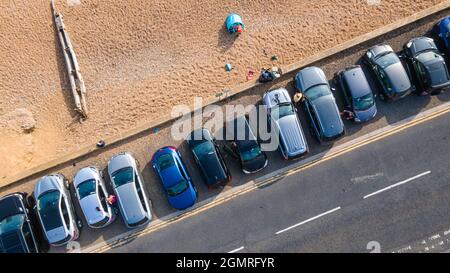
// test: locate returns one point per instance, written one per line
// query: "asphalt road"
(414, 162)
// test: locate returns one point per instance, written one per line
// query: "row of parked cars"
(50, 212)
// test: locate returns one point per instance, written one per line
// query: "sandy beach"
(140, 58)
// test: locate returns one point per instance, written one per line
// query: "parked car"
(177, 184)
(389, 71)
(319, 104)
(55, 210)
(357, 93)
(243, 145)
(208, 157)
(129, 189)
(91, 194)
(427, 64)
(282, 113)
(18, 232)
(443, 31)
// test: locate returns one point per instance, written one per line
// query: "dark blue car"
(443, 28)
(174, 177)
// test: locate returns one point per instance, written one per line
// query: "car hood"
(437, 72)
(10, 205)
(56, 234)
(275, 97)
(120, 161)
(311, 76)
(290, 128)
(129, 202)
(328, 115)
(183, 200)
(83, 175)
(366, 115)
(45, 184)
(88, 205)
(398, 77)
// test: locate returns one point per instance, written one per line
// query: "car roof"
(357, 82)
(13, 242)
(10, 205)
(328, 115)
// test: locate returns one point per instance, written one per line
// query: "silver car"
(55, 210)
(129, 189)
(282, 113)
(92, 196)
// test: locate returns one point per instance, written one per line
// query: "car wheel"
(79, 224)
(30, 202)
(66, 184)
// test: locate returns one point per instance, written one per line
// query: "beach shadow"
(226, 40)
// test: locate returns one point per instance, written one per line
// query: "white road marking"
(309, 220)
(364, 179)
(397, 184)
(236, 250)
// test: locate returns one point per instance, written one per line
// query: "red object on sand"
(250, 74)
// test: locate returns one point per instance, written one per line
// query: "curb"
(240, 88)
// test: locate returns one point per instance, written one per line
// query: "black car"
(243, 145)
(428, 65)
(17, 229)
(389, 71)
(357, 93)
(208, 157)
(319, 104)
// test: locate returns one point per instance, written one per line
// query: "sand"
(139, 58)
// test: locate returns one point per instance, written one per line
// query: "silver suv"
(281, 112)
(55, 210)
(129, 189)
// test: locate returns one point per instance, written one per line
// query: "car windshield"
(122, 177)
(178, 188)
(202, 149)
(12, 222)
(165, 161)
(427, 56)
(364, 102)
(282, 110)
(86, 188)
(387, 60)
(48, 207)
(317, 91)
(251, 153)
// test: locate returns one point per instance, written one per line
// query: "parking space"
(144, 145)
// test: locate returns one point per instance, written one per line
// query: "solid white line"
(397, 184)
(309, 220)
(236, 250)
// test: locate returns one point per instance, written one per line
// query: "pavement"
(143, 145)
(383, 196)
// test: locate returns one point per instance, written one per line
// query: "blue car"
(174, 177)
(443, 29)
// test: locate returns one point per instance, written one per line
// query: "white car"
(92, 196)
(129, 189)
(55, 210)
